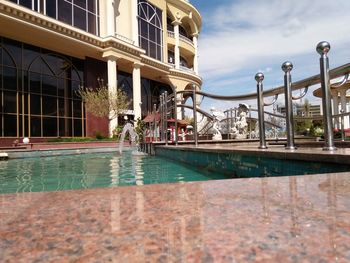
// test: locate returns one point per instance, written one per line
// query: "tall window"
(150, 29)
(37, 92)
(83, 14)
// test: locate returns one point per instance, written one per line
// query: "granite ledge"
(277, 219)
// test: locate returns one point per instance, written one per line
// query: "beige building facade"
(51, 48)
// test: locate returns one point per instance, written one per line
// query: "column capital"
(196, 34)
(176, 22)
(137, 65)
(110, 55)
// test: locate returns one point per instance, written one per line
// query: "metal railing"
(323, 79)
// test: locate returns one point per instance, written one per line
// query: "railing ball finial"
(287, 66)
(323, 48)
(259, 77)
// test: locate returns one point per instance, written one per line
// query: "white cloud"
(260, 34)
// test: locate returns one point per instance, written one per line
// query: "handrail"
(206, 114)
(316, 79)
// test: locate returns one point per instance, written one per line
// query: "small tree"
(102, 102)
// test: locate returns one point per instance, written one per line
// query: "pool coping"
(20, 154)
(341, 155)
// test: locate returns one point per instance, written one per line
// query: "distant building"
(299, 110)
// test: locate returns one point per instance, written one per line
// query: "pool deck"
(275, 219)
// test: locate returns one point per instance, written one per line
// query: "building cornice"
(33, 18)
(186, 75)
(155, 63)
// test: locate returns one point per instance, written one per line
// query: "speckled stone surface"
(280, 219)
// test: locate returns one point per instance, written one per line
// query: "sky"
(242, 37)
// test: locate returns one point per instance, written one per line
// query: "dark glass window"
(35, 126)
(79, 18)
(77, 109)
(50, 127)
(92, 6)
(51, 8)
(65, 107)
(150, 29)
(34, 82)
(65, 11)
(35, 104)
(36, 93)
(49, 106)
(65, 127)
(26, 3)
(169, 25)
(81, 3)
(92, 24)
(62, 10)
(78, 128)
(10, 125)
(49, 85)
(10, 102)
(9, 78)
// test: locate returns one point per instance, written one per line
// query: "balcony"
(182, 38)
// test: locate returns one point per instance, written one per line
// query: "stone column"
(335, 108)
(177, 44)
(134, 23)
(136, 83)
(112, 88)
(110, 18)
(195, 59)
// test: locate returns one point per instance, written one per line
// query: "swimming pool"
(93, 171)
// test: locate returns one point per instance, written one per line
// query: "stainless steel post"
(342, 126)
(161, 126)
(154, 138)
(323, 48)
(259, 77)
(287, 68)
(176, 138)
(250, 121)
(195, 116)
(166, 116)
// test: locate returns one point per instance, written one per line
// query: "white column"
(335, 108)
(177, 44)
(110, 18)
(195, 59)
(134, 23)
(112, 88)
(136, 86)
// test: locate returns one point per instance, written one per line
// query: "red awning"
(152, 117)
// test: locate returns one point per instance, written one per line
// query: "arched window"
(150, 29)
(38, 95)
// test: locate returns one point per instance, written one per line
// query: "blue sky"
(241, 37)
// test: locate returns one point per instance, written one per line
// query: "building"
(300, 111)
(50, 48)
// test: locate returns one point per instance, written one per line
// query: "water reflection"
(92, 171)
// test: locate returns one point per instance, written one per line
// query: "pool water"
(93, 171)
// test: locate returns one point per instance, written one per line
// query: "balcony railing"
(182, 38)
(186, 40)
(171, 34)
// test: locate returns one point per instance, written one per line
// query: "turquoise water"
(93, 171)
